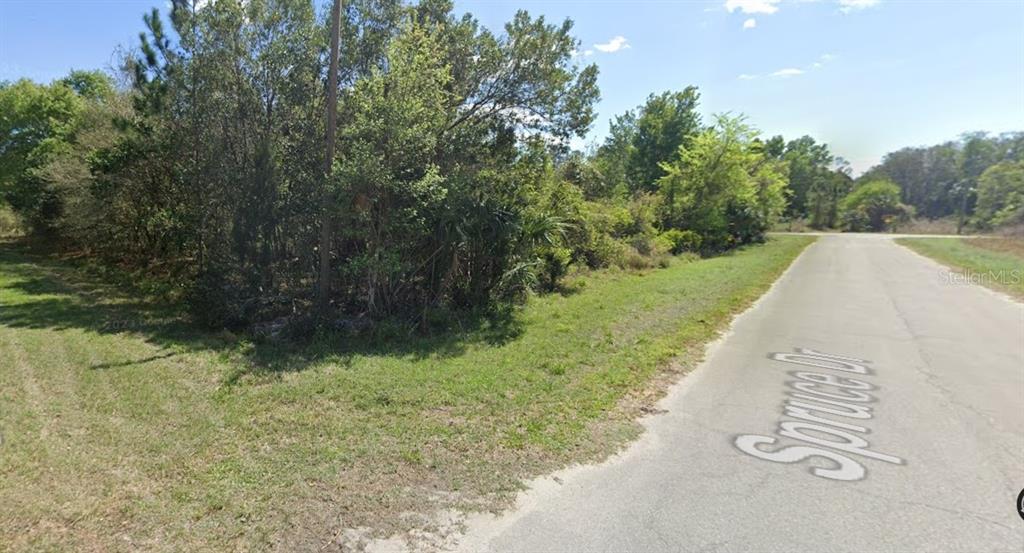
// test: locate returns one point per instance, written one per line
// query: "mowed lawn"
(995, 262)
(125, 429)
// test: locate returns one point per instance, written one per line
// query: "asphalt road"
(913, 442)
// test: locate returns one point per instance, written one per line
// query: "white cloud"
(750, 23)
(752, 6)
(613, 45)
(822, 60)
(788, 72)
(583, 54)
(847, 6)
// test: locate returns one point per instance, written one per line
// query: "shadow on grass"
(133, 362)
(441, 341)
(41, 292)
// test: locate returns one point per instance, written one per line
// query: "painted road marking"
(815, 399)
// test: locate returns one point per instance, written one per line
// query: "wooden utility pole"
(323, 288)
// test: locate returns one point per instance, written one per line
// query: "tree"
(324, 278)
(90, 85)
(823, 198)
(394, 120)
(216, 178)
(722, 186)
(451, 184)
(775, 147)
(1001, 195)
(873, 206)
(612, 157)
(809, 174)
(39, 123)
(942, 180)
(512, 102)
(663, 124)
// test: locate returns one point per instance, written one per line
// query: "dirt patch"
(947, 225)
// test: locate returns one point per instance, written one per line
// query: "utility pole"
(323, 288)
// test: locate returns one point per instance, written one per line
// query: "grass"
(992, 261)
(124, 429)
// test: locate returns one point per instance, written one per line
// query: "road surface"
(913, 440)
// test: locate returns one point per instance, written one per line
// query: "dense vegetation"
(978, 179)
(452, 186)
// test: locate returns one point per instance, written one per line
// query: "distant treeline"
(979, 179)
(452, 186)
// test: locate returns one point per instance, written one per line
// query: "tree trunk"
(324, 283)
(961, 216)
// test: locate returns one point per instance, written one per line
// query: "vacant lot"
(123, 428)
(995, 262)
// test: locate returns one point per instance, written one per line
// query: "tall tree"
(1001, 195)
(663, 124)
(809, 173)
(36, 121)
(612, 157)
(942, 180)
(324, 280)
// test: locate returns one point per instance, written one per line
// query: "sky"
(865, 76)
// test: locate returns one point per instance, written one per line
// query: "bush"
(555, 264)
(682, 240)
(614, 231)
(723, 187)
(874, 206)
(10, 223)
(644, 244)
(661, 245)
(630, 258)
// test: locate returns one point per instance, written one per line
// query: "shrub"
(722, 186)
(632, 259)
(555, 263)
(682, 240)
(661, 245)
(643, 244)
(610, 231)
(10, 223)
(874, 206)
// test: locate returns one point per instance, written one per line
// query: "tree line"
(452, 185)
(978, 179)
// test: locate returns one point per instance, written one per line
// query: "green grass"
(994, 262)
(123, 428)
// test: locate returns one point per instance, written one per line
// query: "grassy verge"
(994, 262)
(124, 429)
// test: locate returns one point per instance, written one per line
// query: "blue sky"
(866, 76)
